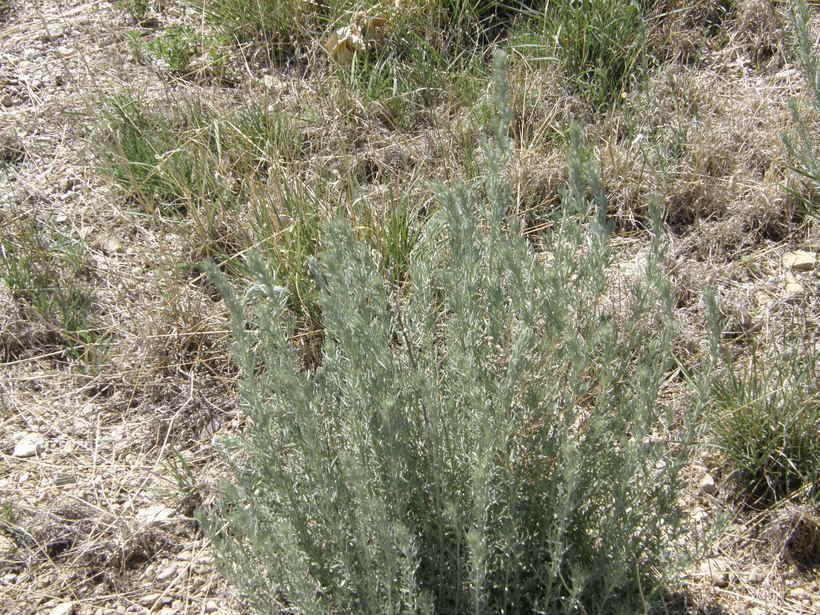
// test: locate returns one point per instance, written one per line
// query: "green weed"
(177, 45)
(137, 9)
(286, 224)
(393, 232)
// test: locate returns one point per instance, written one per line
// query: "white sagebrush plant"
(489, 440)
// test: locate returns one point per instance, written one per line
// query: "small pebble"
(66, 608)
(707, 485)
(29, 446)
(167, 572)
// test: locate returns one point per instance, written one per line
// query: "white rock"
(66, 608)
(700, 515)
(29, 445)
(707, 485)
(211, 606)
(167, 572)
(793, 287)
(799, 260)
(155, 514)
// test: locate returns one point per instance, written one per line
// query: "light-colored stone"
(150, 600)
(155, 514)
(793, 288)
(707, 485)
(211, 606)
(167, 572)
(112, 245)
(29, 445)
(66, 608)
(799, 260)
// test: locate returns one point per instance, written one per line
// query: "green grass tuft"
(43, 271)
(766, 421)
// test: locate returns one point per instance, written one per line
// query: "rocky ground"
(96, 456)
(86, 455)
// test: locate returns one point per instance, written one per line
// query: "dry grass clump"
(761, 31)
(723, 168)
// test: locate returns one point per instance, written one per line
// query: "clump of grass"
(393, 232)
(187, 52)
(141, 154)
(137, 9)
(286, 224)
(177, 45)
(267, 138)
(766, 421)
(279, 25)
(598, 43)
(193, 154)
(43, 271)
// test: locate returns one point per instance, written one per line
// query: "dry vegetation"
(114, 347)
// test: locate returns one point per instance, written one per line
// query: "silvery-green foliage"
(489, 441)
(801, 143)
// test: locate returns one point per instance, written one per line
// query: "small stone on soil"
(167, 572)
(155, 514)
(707, 485)
(66, 608)
(799, 260)
(29, 446)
